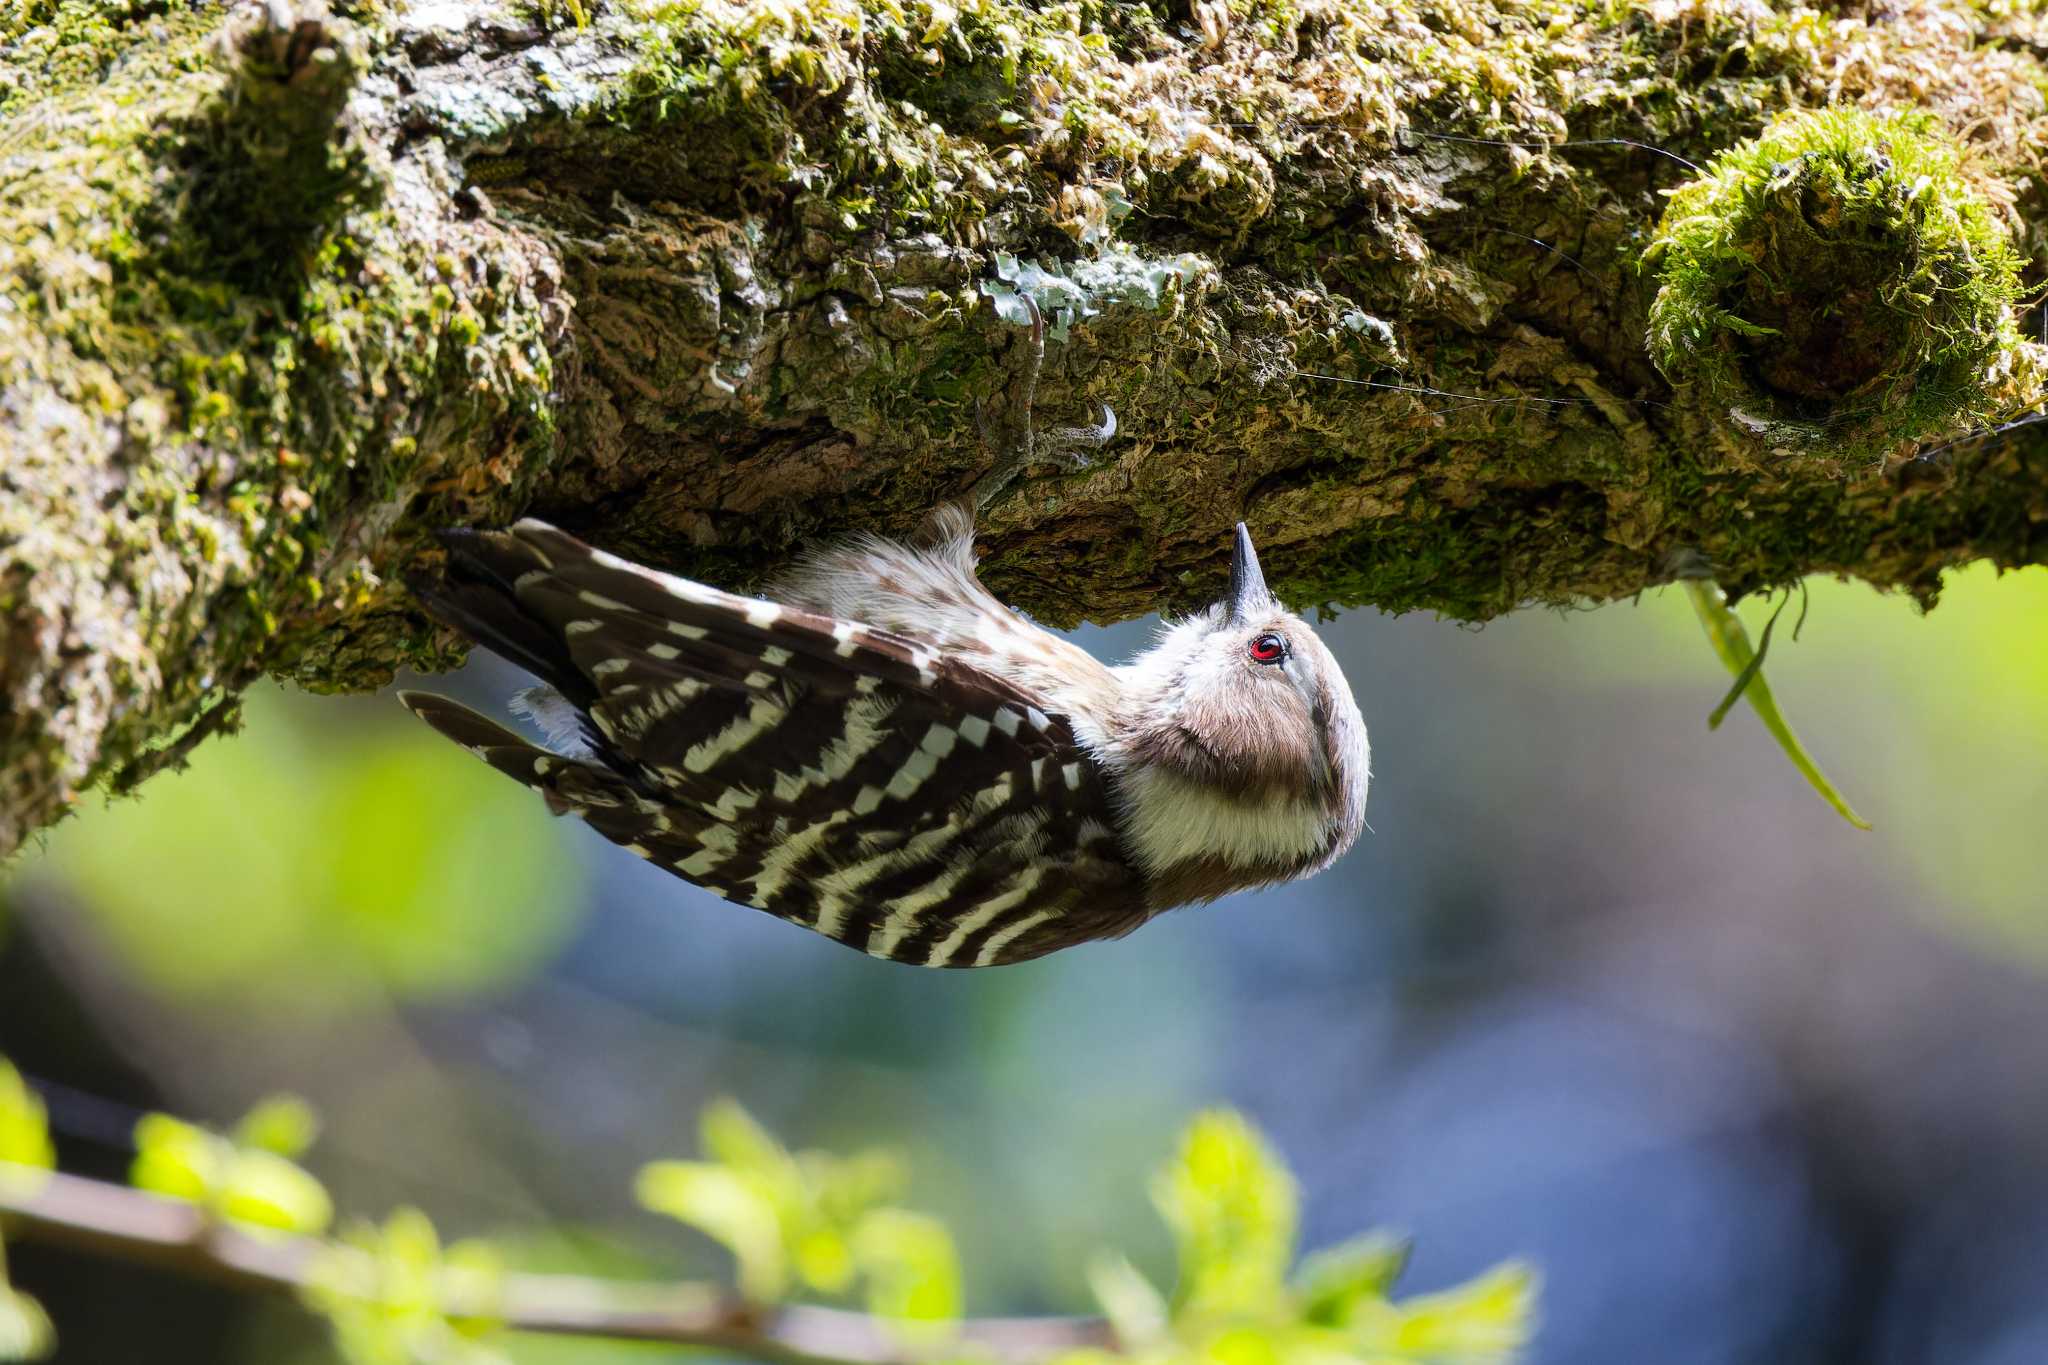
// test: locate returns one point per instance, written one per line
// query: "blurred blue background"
(1600, 988)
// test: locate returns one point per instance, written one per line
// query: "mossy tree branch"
(281, 289)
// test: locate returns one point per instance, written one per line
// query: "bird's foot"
(1068, 447)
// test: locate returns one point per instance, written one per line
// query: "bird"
(879, 750)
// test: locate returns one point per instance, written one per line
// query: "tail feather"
(470, 729)
(478, 595)
(495, 556)
(568, 783)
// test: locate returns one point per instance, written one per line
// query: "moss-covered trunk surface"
(283, 288)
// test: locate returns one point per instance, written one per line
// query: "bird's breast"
(1169, 821)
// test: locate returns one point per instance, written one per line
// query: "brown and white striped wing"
(838, 776)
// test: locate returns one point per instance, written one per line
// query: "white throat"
(1170, 820)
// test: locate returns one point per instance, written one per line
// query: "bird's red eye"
(1267, 649)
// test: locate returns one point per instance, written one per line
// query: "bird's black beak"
(1248, 596)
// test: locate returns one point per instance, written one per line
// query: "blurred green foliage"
(250, 1177)
(349, 855)
(24, 1128)
(912, 1272)
(25, 1151)
(810, 1220)
(25, 1332)
(386, 1291)
(1234, 1209)
(1231, 1207)
(1937, 721)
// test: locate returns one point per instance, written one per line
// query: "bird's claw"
(1097, 433)
(1070, 448)
(1026, 447)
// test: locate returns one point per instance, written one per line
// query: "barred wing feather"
(848, 779)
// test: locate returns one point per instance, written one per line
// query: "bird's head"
(1243, 700)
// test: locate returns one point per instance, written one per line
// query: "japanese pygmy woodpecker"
(879, 750)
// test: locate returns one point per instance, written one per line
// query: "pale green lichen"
(1066, 296)
(1837, 284)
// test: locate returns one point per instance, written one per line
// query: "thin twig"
(132, 1225)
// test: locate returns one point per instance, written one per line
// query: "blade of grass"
(1731, 642)
(1749, 670)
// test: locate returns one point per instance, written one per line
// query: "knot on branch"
(270, 162)
(1837, 284)
(281, 43)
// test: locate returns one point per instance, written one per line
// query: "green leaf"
(823, 1259)
(1252, 1344)
(386, 1293)
(473, 1276)
(1731, 642)
(1748, 673)
(847, 1187)
(1487, 1321)
(248, 1185)
(1334, 1283)
(264, 1190)
(788, 1218)
(733, 1137)
(1135, 1308)
(176, 1159)
(912, 1272)
(25, 1332)
(283, 1124)
(731, 1207)
(24, 1128)
(1232, 1208)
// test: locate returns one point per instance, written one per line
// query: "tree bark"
(283, 289)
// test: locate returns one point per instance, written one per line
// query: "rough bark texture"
(281, 289)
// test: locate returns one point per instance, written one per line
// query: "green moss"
(202, 261)
(1837, 284)
(1468, 564)
(779, 228)
(751, 81)
(56, 45)
(946, 116)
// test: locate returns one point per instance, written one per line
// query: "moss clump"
(1837, 284)
(241, 347)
